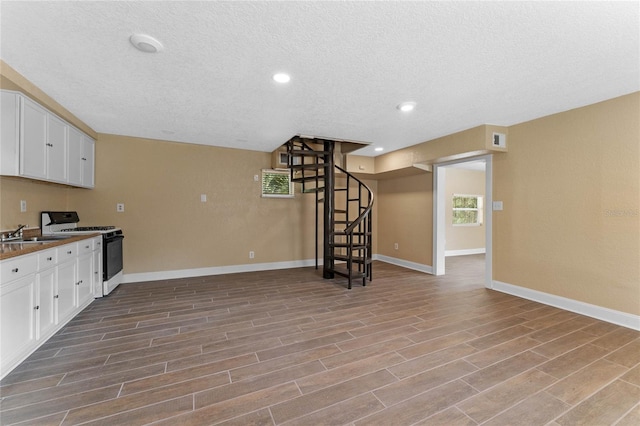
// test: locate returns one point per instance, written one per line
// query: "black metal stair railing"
(347, 231)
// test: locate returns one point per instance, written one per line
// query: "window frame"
(479, 209)
(283, 172)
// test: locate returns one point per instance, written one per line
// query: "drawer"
(47, 259)
(17, 268)
(67, 252)
(85, 246)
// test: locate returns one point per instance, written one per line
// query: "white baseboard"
(404, 263)
(215, 270)
(464, 252)
(605, 314)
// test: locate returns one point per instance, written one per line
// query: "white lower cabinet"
(41, 292)
(17, 318)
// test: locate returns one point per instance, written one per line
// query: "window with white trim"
(277, 183)
(467, 210)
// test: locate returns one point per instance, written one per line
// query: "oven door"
(112, 260)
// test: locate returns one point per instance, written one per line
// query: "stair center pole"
(329, 195)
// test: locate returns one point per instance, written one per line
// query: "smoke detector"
(146, 43)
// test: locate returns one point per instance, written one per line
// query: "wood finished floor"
(286, 347)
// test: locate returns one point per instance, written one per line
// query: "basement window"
(277, 183)
(467, 210)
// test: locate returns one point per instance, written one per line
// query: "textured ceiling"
(351, 63)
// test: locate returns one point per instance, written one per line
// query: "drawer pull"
(36, 308)
(56, 296)
(49, 259)
(14, 270)
(86, 246)
(69, 252)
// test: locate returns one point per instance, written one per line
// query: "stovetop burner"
(88, 228)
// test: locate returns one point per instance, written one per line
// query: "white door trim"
(439, 216)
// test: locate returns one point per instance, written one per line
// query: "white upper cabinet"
(57, 132)
(81, 159)
(33, 140)
(38, 144)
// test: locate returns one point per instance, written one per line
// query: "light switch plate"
(497, 205)
(203, 198)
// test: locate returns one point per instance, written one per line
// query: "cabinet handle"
(86, 246)
(49, 259)
(69, 252)
(84, 159)
(14, 270)
(56, 296)
(49, 144)
(36, 308)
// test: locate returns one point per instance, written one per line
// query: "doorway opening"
(443, 227)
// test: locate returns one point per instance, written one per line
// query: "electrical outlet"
(120, 207)
(251, 255)
(256, 178)
(203, 198)
(395, 246)
(23, 206)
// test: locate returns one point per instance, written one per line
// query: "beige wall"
(467, 182)
(38, 195)
(405, 216)
(570, 184)
(167, 227)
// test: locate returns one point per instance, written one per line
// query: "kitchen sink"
(41, 239)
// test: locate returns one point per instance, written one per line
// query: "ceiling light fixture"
(281, 77)
(406, 106)
(379, 149)
(146, 43)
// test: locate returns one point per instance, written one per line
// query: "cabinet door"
(33, 140)
(66, 290)
(88, 162)
(16, 319)
(45, 315)
(56, 149)
(97, 268)
(85, 275)
(76, 145)
(9, 133)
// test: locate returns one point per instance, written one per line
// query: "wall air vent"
(499, 140)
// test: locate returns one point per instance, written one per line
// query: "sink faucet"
(13, 235)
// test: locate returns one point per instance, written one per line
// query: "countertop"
(8, 251)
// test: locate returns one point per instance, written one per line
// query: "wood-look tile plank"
(502, 351)
(491, 402)
(449, 417)
(578, 386)
(632, 418)
(564, 344)
(171, 378)
(326, 397)
(243, 387)
(234, 408)
(426, 362)
(341, 413)
(628, 355)
(147, 414)
(573, 361)
(604, 407)
(342, 358)
(420, 406)
(503, 370)
(406, 388)
(538, 409)
(52, 406)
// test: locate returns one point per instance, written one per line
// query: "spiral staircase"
(345, 203)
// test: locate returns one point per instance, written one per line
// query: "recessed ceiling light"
(379, 149)
(281, 77)
(146, 43)
(406, 106)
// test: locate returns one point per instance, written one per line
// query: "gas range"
(67, 223)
